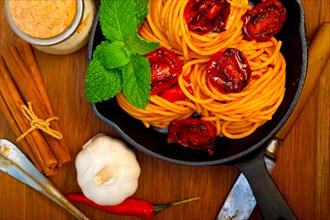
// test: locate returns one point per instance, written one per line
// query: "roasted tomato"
(173, 94)
(165, 69)
(193, 133)
(264, 20)
(229, 71)
(203, 16)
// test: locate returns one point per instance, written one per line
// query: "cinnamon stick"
(51, 172)
(26, 53)
(13, 100)
(23, 145)
(27, 88)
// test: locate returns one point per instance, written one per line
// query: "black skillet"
(246, 153)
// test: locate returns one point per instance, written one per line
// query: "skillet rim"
(248, 151)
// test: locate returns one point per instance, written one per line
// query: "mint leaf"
(141, 11)
(117, 22)
(136, 81)
(102, 84)
(140, 45)
(117, 63)
(113, 55)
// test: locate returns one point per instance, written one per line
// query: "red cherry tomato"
(173, 94)
(264, 20)
(203, 16)
(228, 71)
(165, 69)
(193, 133)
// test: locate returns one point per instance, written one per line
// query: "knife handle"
(272, 147)
(318, 56)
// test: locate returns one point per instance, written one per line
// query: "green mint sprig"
(118, 63)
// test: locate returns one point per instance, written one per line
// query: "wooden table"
(302, 171)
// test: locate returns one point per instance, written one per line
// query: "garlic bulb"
(107, 170)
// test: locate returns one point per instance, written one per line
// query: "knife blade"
(14, 163)
(240, 201)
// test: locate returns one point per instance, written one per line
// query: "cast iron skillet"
(246, 153)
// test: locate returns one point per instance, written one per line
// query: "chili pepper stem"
(159, 208)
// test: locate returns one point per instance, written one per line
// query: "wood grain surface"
(302, 171)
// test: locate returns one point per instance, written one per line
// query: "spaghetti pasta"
(234, 115)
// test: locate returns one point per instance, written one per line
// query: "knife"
(240, 201)
(16, 164)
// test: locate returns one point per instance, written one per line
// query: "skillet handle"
(269, 199)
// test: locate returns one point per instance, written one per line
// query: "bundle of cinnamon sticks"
(26, 106)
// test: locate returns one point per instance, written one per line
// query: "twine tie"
(37, 123)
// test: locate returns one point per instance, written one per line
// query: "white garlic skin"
(104, 151)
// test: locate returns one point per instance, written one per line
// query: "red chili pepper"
(130, 206)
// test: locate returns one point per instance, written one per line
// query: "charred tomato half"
(264, 20)
(228, 71)
(165, 69)
(203, 16)
(194, 133)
